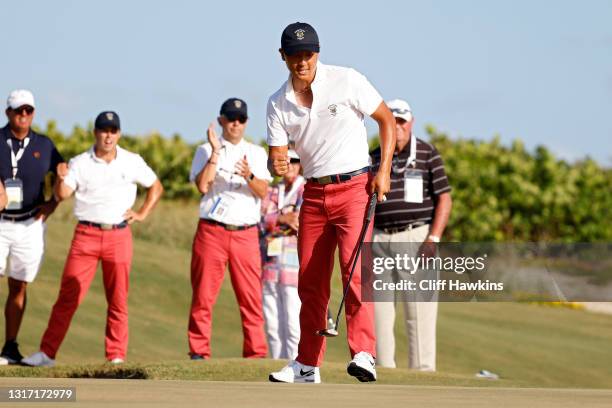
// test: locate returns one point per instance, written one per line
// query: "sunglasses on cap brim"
(294, 160)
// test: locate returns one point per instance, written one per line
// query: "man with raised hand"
(103, 180)
(231, 174)
(321, 108)
(26, 157)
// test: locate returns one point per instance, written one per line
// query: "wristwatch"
(433, 238)
(251, 177)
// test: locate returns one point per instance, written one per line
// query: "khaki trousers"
(420, 317)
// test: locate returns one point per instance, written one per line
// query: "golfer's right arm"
(3, 199)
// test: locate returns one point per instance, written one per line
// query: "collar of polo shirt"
(92, 152)
(229, 145)
(320, 76)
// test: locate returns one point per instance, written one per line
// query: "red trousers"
(332, 215)
(90, 245)
(213, 248)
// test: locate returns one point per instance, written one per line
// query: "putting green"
(160, 393)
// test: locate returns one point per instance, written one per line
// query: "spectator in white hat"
(415, 214)
(25, 159)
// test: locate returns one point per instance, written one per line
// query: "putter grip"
(371, 206)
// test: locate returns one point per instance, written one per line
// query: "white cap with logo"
(400, 109)
(20, 97)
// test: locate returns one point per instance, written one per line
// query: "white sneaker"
(362, 367)
(296, 372)
(38, 359)
(117, 360)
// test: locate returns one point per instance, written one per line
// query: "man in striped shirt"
(416, 211)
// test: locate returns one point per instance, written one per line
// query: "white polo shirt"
(229, 190)
(105, 191)
(330, 137)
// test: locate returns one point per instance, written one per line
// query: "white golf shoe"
(117, 360)
(296, 372)
(38, 359)
(362, 367)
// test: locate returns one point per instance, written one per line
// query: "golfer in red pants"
(321, 109)
(104, 182)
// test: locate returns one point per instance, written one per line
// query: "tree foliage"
(500, 193)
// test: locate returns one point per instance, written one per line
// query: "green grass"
(528, 345)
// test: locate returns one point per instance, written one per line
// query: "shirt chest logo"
(36, 155)
(333, 109)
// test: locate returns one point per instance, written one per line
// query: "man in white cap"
(25, 159)
(415, 214)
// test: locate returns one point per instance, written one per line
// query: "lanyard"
(411, 158)
(282, 198)
(16, 157)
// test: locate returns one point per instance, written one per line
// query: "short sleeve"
(200, 158)
(143, 174)
(439, 181)
(277, 135)
(72, 179)
(365, 97)
(260, 167)
(56, 158)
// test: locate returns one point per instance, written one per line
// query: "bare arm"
(154, 193)
(278, 160)
(444, 203)
(60, 190)
(3, 198)
(386, 129)
(259, 187)
(206, 176)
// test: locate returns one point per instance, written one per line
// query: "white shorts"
(22, 244)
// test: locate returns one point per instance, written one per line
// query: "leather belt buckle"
(232, 227)
(107, 227)
(325, 180)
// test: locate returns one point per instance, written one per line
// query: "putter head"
(329, 332)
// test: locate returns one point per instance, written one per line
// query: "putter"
(332, 331)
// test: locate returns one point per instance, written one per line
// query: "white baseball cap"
(400, 109)
(20, 97)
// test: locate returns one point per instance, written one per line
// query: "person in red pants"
(321, 109)
(231, 174)
(104, 181)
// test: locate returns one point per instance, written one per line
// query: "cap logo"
(333, 109)
(237, 104)
(109, 116)
(299, 34)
